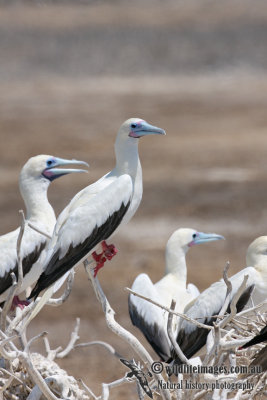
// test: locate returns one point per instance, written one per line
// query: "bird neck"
(175, 261)
(127, 157)
(34, 194)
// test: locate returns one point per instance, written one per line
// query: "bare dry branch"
(73, 340)
(36, 376)
(37, 337)
(38, 230)
(87, 389)
(175, 345)
(107, 386)
(8, 301)
(193, 321)
(65, 295)
(229, 289)
(235, 299)
(120, 331)
(101, 343)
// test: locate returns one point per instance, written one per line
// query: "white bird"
(96, 212)
(34, 180)
(152, 320)
(192, 338)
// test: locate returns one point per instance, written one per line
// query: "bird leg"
(109, 251)
(16, 302)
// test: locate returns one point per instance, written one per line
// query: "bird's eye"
(194, 235)
(49, 163)
(133, 126)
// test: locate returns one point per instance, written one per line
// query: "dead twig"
(175, 345)
(101, 343)
(120, 331)
(8, 301)
(193, 321)
(73, 340)
(66, 293)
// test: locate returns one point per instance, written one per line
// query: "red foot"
(109, 250)
(99, 258)
(97, 268)
(100, 261)
(16, 302)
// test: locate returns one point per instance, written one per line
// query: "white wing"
(87, 225)
(80, 199)
(193, 290)
(32, 246)
(209, 303)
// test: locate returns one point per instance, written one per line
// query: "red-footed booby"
(96, 212)
(192, 338)
(150, 319)
(34, 180)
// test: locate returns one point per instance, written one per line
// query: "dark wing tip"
(27, 263)
(261, 337)
(153, 333)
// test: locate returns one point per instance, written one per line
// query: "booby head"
(257, 252)
(186, 238)
(178, 245)
(45, 166)
(136, 128)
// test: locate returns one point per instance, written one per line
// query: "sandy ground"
(70, 76)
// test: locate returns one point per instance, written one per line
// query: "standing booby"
(150, 319)
(96, 212)
(34, 180)
(192, 338)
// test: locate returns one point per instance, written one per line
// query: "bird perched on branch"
(34, 180)
(152, 320)
(95, 213)
(191, 338)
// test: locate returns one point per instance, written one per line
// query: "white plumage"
(34, 181)
(95, 213)
(152, 320)
(208, 303)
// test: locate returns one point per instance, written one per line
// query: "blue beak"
(52, 173)
(146, 129)
(204, 238)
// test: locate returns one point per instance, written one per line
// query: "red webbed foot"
(97, 268)
(100, 261)
(16, 302)
(109, 250)
(99, 258)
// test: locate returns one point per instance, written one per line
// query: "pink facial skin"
(191, 244)
(135, 134)
(47, 173)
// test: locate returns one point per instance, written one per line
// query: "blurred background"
(72, 71)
